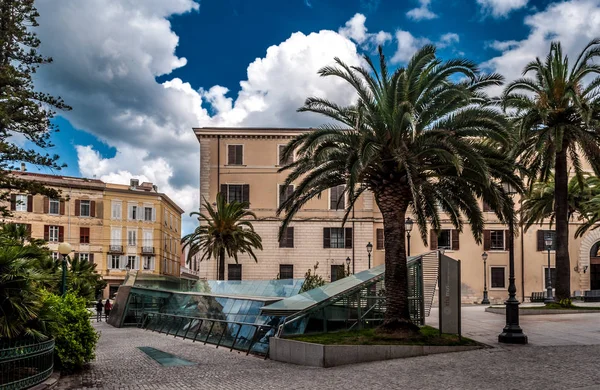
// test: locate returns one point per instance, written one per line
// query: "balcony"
(115, 249)
(147, 250)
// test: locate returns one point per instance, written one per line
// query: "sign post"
(449, 295)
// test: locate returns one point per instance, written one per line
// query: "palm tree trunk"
(563, 263)
(221, 264)
(393, 209)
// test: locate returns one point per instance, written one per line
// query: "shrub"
(566, 303)
(312, 280)
(75, 337)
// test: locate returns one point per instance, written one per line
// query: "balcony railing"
(148, 250)
(115, 248)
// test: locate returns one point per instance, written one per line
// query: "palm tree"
(225, 230)
(558, 119)
(538, 205)
(419, 141)
(83, 279)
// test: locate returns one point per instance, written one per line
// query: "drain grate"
(164, 358)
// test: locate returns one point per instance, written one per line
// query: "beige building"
(242, 163)
(118, 227)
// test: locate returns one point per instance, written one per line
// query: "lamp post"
(64, 248)
(485, 300)
(512, 333)
(408, 225)
(549, 298)
(348, 260)
(369, 250)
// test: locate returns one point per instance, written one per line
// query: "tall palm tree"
(225, 230)
(83, 279)
(538, 205)
(557, 115)
(420, 142)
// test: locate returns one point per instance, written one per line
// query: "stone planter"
(525, 312)
(319, 355)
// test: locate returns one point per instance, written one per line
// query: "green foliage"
(83, 280)
(566, 303)
(23, 111)
(311, 279)
(72, 330)
(21, 281)
(225, 230)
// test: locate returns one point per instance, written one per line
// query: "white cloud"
(408, 44)
(108, 74)
(574, 23)
(356, 30)
(503, 45)
(500, 8)
(422, 12)
(448, 39)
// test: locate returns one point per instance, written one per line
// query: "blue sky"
(139, 75)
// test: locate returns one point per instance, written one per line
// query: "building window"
(165, 240)
(55, 256)
(286, 271)
(280, 158)
(115, 236)
(287, 239)
(552, 275)
(21, 203)
(132, 262)
(236, 192)
(149, 263)
(337, 238)
(380, 243)
(285, 192)
(84, 256)
(497, 275)
(54, 206)
(84, 235)
(114, 261)
(166, 218)
(234, 272)
(541, 240)
(132, 237)
(53, 233)
(497, 240)
(235, 154)
(116, 210)
(444, 239)
(132, 213)
(84, 208)
(148, 213)
(337, 272)
(337, 200)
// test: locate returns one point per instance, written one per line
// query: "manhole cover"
(164, 358)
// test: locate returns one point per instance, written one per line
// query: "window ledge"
(235, 165)
(498, 288)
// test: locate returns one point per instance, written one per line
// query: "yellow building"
(242, 163)
(118, 227)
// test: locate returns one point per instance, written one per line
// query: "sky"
(140, 74)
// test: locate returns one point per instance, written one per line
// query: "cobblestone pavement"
(121, 365)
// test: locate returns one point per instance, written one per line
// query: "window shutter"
(46, 205)
(29, 203)
(455, 240)
(487, 240)
(224, 192)
(77, 207)
(140, 212)
(290, 237)
(540, 240)
(13, 202)
(506, 235)
(486, 207)
(62, 207)
(75, 256)
(379, 243)
(61, 234)
(326, 238)
(246, 193)
(46, 232)
(28, 229)
(333, 196)
(153, 214)
(348, 237)
(433, 237)
(91, 257)
(92, 208)
(239, 154)
(230, 154)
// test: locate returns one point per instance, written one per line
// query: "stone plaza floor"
(563, 354)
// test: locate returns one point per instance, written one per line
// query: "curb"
(49, 383)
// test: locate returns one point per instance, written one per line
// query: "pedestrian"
(99, 307)
(107, 308)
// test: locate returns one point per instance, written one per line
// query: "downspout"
(218, 184)
(353, 242)
(522, 251)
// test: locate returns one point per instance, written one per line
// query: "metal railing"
(115, 248)
(220, 332)
(25, 363)
(147, 250)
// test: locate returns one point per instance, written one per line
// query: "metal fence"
(25, 363)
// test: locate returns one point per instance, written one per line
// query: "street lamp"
(348, 260)
(512, 333)
(549, 297)
(369, 250)
(64, 248)
(485, 300)
(408, 224)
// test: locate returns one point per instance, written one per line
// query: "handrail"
(25, 364)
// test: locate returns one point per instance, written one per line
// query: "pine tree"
(24, 112)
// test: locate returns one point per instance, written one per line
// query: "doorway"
(595, 267)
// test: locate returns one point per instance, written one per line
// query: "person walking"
(107, 308)
(99, 307)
